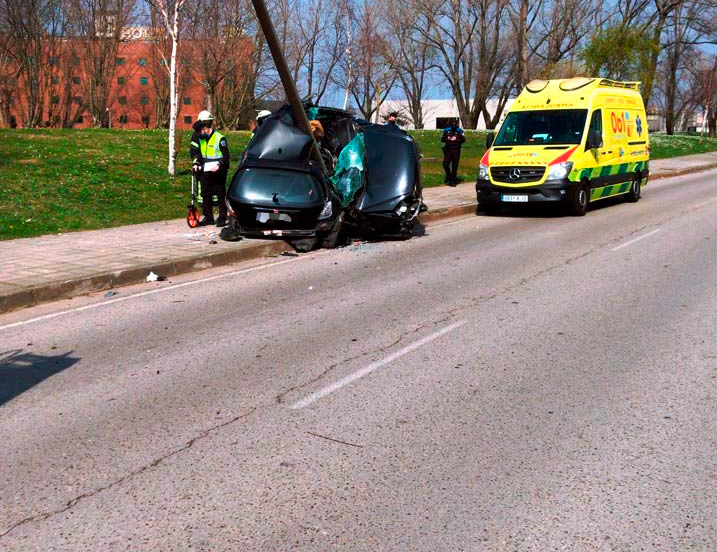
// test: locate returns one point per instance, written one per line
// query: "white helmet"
(263, 113)
(205, 116)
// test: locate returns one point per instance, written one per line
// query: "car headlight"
(327, 211)
(483, 172)
(561, 170)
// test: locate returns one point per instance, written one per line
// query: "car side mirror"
(490, 137)
(594, 139)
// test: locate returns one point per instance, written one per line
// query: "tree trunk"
(522, 44)
(171, 165)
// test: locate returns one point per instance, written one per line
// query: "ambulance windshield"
(555, 126)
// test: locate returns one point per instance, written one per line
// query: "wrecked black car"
(370, 185)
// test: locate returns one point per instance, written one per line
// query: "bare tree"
(321, 35)
(372, 76)
(156, 69)
(681, 36)
(249, 83)
(412, 56)
(450, 26)
(34, 28)
(523, 15)
(96, 28)
(663, 9)
(72, 104)
(218, 43)
(171, 14)
(704, 81)
(493, 79)
(563, 25)
(9, 73)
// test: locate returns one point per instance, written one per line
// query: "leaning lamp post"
(287, 82)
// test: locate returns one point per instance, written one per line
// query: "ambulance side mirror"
(594, 139)
(490, 137)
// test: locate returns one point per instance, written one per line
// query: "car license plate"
(514, 198)
(264, 217)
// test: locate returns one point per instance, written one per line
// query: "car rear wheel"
(581, 201)
(304, 245)
(231, 231)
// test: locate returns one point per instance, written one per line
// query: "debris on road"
(152, 277)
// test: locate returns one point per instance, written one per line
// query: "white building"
(436, 113)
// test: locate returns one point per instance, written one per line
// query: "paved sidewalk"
(34, 270)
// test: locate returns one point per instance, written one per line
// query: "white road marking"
(373, 367)
(114, 301)
(636, 240)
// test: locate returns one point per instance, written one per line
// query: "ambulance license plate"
(514, 198)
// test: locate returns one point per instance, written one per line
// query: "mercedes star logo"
(514, 174)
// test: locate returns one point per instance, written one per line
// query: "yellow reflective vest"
(210, 148)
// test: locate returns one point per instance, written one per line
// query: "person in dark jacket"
(392, 122)
(210, 163)
(453, 139)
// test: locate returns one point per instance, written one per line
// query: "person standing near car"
(210, 162)
(392, 122)
(453, 139)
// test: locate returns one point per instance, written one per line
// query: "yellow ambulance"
(567, 142)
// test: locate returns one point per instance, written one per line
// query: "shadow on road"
(543, 211)
(20, 371)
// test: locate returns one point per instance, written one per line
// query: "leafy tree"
(619, 53)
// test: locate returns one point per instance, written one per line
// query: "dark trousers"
(214, 184)
(450, 163)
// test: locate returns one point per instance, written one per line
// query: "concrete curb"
(669, 173)
(28, 297)
(100, 282)
(449, 212)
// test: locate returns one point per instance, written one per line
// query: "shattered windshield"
(555, 126)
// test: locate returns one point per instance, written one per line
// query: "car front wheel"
(331, 240)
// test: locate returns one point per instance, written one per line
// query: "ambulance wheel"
(581, 201)
(634, 194)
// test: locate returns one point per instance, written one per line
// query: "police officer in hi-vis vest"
(210, 163)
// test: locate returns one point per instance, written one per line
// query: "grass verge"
(61, 180)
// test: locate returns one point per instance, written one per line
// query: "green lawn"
(64, 180)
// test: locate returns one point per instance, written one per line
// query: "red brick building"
(138, 94)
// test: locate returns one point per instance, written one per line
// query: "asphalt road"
(503, 383)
